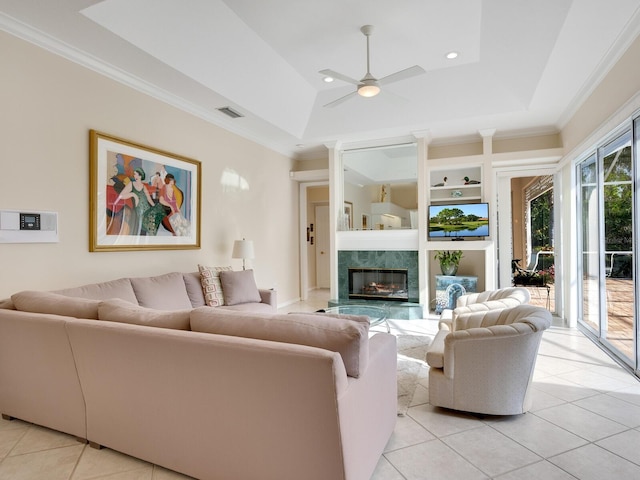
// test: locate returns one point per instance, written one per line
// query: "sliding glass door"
(606, 203)
(590, 244)
(617, 189)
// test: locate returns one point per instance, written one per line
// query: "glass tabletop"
(376, 314)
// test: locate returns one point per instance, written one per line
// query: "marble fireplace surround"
(378, 259)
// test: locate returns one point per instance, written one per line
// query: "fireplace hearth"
(378, 284)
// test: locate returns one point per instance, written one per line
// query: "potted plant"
(535, 278)
(449, 260)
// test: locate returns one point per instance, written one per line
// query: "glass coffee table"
(377, 315)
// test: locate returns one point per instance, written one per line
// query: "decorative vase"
(449, 269)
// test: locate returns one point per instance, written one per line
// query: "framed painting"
(141, 198)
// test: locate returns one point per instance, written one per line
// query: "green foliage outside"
(454, 219)
(618, 201)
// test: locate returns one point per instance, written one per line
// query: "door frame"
(505, 229)
(304, 257)
(320, 256)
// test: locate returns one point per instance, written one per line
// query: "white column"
(336, 202)
(423, 139)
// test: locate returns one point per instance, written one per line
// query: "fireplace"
(378, 284)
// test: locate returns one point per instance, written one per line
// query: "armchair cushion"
(483, 302)
(520, 294)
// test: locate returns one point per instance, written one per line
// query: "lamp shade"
(242, 249)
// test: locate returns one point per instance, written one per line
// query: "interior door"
(323, 279)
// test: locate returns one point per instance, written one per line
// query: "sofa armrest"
(269, 296)
(446, 319)
(372, 396)
(435, 352)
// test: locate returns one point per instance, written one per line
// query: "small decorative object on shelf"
(470, 182)
(449, 260)
(456, 193)
(441, 184)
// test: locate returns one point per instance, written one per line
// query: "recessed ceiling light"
(328, 79)
(452, 55)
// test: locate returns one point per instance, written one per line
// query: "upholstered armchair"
(486, 365)
(484, 301)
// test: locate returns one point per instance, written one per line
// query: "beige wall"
(48, 107)
(618, 87)
(611, 103)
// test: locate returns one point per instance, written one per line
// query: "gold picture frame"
(141, 198)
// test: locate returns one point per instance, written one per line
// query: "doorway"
(533, 238)
(527, 229)
(323, 271)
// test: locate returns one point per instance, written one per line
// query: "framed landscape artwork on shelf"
(141, 198)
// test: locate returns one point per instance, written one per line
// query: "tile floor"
(584, 424)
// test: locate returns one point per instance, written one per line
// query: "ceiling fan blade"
(339, 76)
(340, 100)
(402, 75)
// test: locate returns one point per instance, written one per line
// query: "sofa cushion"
(7, 303)
(322, 313)
(249, 307)
(164, 292)
(211, 286)
(117, 310)
(347, 337)
(239, 287)
(194, 289)
(54, 303)
(120, 288)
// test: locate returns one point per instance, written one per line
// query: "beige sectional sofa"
(142, 366)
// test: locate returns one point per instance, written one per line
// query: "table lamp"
(243, 249)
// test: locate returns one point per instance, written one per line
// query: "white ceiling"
(523, 67)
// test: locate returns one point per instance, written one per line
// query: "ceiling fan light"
(368, 90)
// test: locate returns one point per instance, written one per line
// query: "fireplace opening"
(378, 284)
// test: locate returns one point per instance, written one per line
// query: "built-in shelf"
(455, 191)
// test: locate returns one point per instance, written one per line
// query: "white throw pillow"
(211, 286)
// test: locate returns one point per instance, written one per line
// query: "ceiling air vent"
(228, 111)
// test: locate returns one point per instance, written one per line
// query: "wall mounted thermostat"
(29, 221)
(28, 227)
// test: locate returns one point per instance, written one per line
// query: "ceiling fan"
(369, 86)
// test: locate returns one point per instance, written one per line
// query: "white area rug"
(412, 368)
